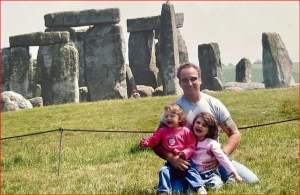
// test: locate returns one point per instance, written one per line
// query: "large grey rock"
(104, 57)
(83, 94)
(36, 101)
(145, 91)
(151, 23)
(244, 86)
(82, 18)
(159, 91)
(39, 39)
(142, 60)
(277, 65)
(210, 64)
(243, 71)
(168, 51)
(11, 101)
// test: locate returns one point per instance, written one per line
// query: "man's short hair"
(188, 65)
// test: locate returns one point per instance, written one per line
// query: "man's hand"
(179, 163)
(211, 164)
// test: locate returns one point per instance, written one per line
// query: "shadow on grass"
(138, 149)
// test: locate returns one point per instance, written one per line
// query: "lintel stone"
(151, 23)
(39, 39)
(82, 18)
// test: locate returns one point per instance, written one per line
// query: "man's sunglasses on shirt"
(186, 80)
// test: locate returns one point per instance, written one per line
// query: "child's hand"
(238, 179)
(182, 156)
(142, 143)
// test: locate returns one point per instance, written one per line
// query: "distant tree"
(223, 64)
(230, 64)
(258, 61)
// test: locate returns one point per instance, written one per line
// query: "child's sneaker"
(201, 190)
(230, 181)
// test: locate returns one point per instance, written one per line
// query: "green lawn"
(113, 163)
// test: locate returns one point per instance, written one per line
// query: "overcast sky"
(236, 26)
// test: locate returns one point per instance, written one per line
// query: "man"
(194, 102)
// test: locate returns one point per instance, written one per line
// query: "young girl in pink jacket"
(181, 141)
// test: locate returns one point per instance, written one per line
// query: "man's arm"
(177, 162)
(234, 136)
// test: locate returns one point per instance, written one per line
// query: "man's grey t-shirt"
(207, 103)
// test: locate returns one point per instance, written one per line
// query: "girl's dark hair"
(177, 109)
(211, 122)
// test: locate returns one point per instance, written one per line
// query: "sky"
(236, 26)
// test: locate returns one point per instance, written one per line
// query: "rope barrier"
(29, 134)
(269, 123)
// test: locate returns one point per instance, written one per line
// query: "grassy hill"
(257, 75)
(113, 163)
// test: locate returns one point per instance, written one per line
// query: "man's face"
(189, 80)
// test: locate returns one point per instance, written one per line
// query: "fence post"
(61, 129)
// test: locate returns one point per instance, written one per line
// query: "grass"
(256, 73)
(113, 163)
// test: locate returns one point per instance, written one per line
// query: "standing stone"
(43, 70)
(168, 52)
(64, 75)
(79, 45)
(31, 77)
(142, 57)
(243, 71)
(81, 79)
(104, 58)
(5, 55)
(182, 49)
(277, 65)
(19, 63)
(57, 73)
(210, 65)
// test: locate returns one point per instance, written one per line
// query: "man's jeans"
(180, 186)
(168, 173)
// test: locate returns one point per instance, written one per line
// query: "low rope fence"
(61, 129)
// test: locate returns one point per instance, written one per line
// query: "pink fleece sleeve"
(154, 139)
(221, 157)
(190, 143)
